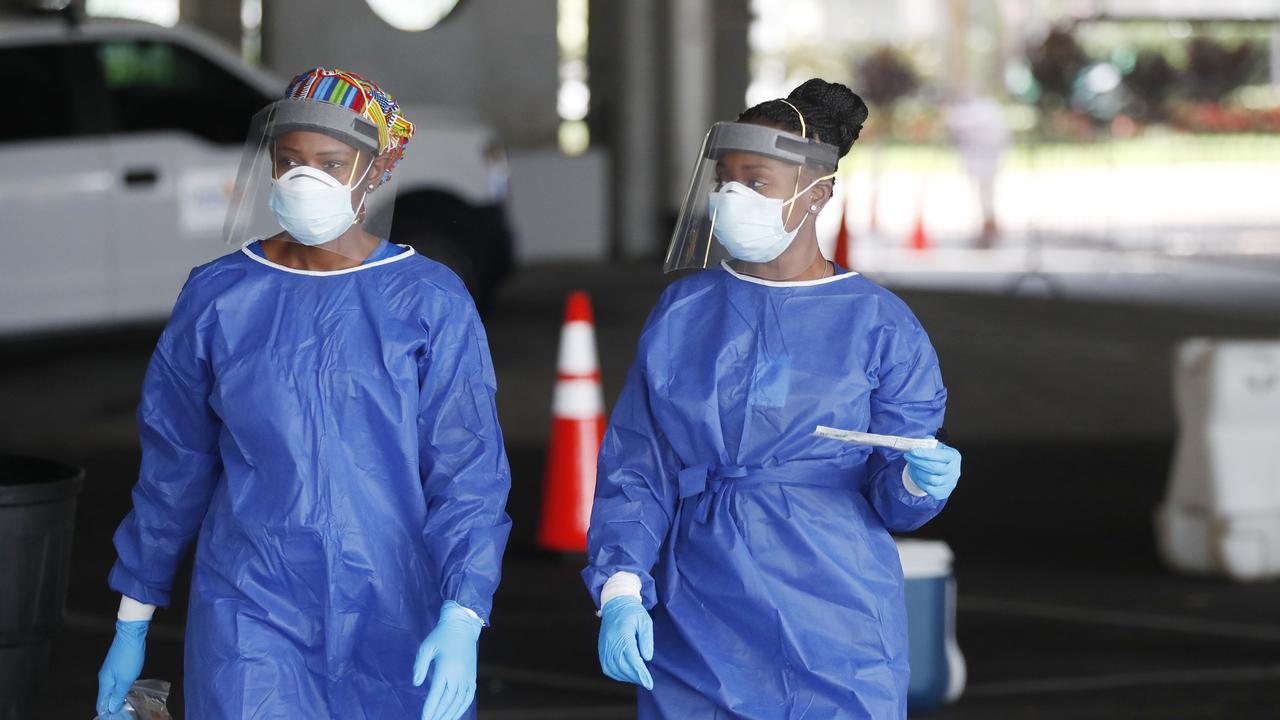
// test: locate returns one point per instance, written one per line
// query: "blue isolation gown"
(330, 441)
(764, 552)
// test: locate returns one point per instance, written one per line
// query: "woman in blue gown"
(744, 565)
(319, 419)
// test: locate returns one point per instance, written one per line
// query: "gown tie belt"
(704, 481)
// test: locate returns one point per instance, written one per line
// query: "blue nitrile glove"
(123, 664)
(626, 641)
(934, 470)
(450, 653)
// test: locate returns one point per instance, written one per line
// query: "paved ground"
(1062, 410)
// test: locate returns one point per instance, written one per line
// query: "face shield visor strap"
(796, 192)
(348, 184)
(791, 203)
(694, 244)
(778, 144)
(804, 133)
(710, 239)
(350, 177)
(250, 215)
(365, 189)
(770, 142)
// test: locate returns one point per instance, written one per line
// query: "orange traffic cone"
(919, 238)
(843, 241)
(577, 428)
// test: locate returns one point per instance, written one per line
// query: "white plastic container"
(1221, 512)
(937, 666)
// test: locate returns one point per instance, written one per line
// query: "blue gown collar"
(787, 283)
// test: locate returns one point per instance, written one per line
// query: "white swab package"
(893, 442)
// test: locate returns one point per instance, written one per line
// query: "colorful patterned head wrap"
(362, 97)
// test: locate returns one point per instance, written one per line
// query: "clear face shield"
(311, 174)
(747, 202)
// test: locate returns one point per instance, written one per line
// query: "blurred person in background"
(743, 565)
(981, 134)
(318, 416)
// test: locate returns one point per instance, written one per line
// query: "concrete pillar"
(625, 110)
(653, 97)
(220, 18)
(637, 164)
(708, 77)
(691, 81)
(1275, 54)
(732, 58)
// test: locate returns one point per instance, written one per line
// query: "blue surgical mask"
(749, 225)
(313, 206)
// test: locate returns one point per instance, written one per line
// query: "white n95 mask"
(313, 206)
(750, 225)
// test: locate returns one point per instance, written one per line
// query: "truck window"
(154, 85)
(35, 81)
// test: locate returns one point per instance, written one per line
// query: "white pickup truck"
(118, 150)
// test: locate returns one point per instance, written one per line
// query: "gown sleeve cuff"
(132, 610)
(619, 584)
(126, 583)
(910, 485)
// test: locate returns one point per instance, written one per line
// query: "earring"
(370, 187)
(813, 208)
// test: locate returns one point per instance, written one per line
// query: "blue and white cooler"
(937, 666)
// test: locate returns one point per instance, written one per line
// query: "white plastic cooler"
(1221, 512)
(937, 666)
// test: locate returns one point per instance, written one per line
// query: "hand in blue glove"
(626, 641)
(123, 664)
(451, 647)
(935, 471)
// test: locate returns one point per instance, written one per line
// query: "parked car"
(119, 150)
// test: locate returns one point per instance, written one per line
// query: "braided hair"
(833, 113)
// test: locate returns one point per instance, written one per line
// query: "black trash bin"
(37, 519)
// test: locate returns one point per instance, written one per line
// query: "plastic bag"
(144, 701)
